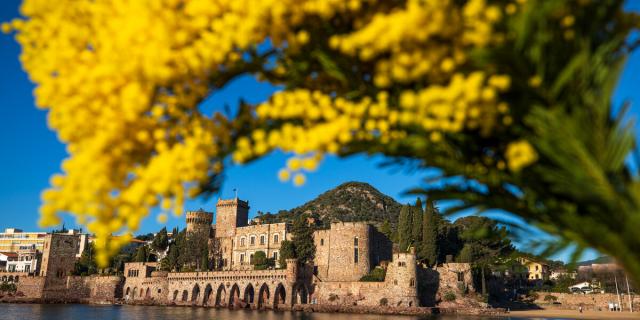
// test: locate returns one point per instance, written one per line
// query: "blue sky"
(30, 151)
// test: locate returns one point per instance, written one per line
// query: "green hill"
(350, 201)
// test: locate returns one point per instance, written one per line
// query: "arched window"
(251, 258)
(276, 238)
(262, 240)
(412, 282)
(242, 242)
(275, 255)
(242, 258)
(252, 240)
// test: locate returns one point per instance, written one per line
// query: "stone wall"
(31, 287)
(253, 288)
(230, 214)
(456, 278)
(336, 251)
(398, 289)
(59, 256)
(588, 301)
(79, 289)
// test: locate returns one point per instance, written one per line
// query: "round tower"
(199, 221)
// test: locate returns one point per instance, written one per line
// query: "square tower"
(230, 214)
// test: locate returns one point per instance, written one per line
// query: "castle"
(345, 253)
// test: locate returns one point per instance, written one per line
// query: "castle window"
(401, 264)
(252, 241)
(412, 282)
(322, 242)
(395, 282)
(262, 240)
(460, 276)
(355, 250)
(276, 238)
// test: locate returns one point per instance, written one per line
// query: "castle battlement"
(232, 203)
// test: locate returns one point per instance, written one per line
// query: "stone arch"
(207, 295)
(10, 278)
(249, 293)
(263, 296)
(221, 296)
(185, 295)
(126, 292)
(175, 295)
(195, 293)
(234, 295)
(300, 294)
(279, 295)
(147, 294)
(4, 278)
(134, 293)
(16, 279)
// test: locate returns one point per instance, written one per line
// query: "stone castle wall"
(31, 287)
(78, 289)
(199, 221)
(397, 290)
(230, 214)
(254, 288)
(433, 284)
(336, 251)
(59, 256)
(588, 301)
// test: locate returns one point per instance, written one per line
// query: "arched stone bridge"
(256, 289)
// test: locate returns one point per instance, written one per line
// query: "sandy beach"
(573, 314)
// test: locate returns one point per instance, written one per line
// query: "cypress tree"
(429, 244)
(204, 260)
(416, 225)
(303, 239)
(404, 228)
(386, 229)
(141, 254)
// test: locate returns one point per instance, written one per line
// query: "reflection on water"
(71, 311)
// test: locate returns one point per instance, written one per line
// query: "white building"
(25, 261)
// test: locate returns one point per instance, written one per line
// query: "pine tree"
(404, 228)
(416, 224)
(429, 244)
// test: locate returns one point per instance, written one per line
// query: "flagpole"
(629, 293)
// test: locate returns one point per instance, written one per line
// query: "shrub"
(550, 298)
(449, 296)
(376, 275)
(7, 287)
(384, 302)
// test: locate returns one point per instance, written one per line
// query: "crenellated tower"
(230, 214)
(199, 221)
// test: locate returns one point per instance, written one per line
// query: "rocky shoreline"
(322, 308)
